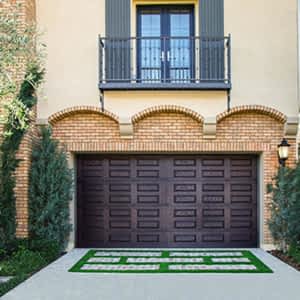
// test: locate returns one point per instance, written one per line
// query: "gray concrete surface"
(56, 283)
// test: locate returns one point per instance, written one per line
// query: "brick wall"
(242, 131)
(26, 15)
(163, 126)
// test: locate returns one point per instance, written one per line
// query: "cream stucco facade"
(264, 59)
(264, 73)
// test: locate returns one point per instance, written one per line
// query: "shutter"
(212, 40)
(117, 50)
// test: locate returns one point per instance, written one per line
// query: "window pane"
(180, 24)
(150, 24)
(180, 47)
(150, 46)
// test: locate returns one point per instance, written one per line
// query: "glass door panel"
(180, 52)
(165, 43)
(149, 49)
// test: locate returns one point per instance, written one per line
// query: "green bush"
(23, 261)
(294, 252)
(50, 191)
(16, 42)
(15, 125)
(7, 286)
(285, 207)
(26, 258)
(49, 250)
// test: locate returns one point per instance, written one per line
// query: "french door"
(165, 42)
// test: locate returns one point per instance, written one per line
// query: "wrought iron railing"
(165, 61)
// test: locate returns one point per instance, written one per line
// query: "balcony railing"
(165, 63)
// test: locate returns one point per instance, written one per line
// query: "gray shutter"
(117, 50)
(211, 14)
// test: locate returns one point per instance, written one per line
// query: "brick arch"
(167, 123)
(251, 124)
(258, 109)
(167, 109)
(68, 112)
(81, 128)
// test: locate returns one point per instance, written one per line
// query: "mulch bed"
(287, 259)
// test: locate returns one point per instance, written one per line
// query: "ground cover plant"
(25, 258)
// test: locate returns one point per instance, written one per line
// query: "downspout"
(101, 98)
(229, 98)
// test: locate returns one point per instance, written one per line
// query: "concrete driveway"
(56, 283)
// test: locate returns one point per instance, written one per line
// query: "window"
(165, 44)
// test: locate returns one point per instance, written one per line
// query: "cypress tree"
(285, 207)
(50, 191)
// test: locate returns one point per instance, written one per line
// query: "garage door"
(166, 201)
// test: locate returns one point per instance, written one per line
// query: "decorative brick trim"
(80, 109)
(277, 115)
(166, 147)
(167, 109)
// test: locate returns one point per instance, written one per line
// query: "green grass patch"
(164, 267)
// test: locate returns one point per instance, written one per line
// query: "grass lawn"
(170, 261)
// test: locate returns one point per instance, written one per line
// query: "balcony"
(165, 63)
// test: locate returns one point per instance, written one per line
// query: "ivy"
(19, 46)
(16, 123)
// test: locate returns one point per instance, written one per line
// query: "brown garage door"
(166, 201)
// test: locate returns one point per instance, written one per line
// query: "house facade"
(171, 112)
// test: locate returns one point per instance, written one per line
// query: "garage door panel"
(150, 174)
(185, 213)
(213, 238)
(213, 187)
(185, 238)
(148, 199)
(184, 199)
(119, 237)
(213, 198)
(148, 238)
(165, 201)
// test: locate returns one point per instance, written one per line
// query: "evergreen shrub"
(50, 191)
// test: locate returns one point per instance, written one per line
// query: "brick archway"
(167, 109)
(257, 109)
(80, 110)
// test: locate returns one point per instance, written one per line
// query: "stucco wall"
(264, 59)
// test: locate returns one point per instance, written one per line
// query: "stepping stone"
(165, 260)
(211, 267)
(104, 260)
(212, 254)
(120, 267)
(128, 254)
(231, 260)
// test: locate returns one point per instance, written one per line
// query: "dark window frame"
(165, 12)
